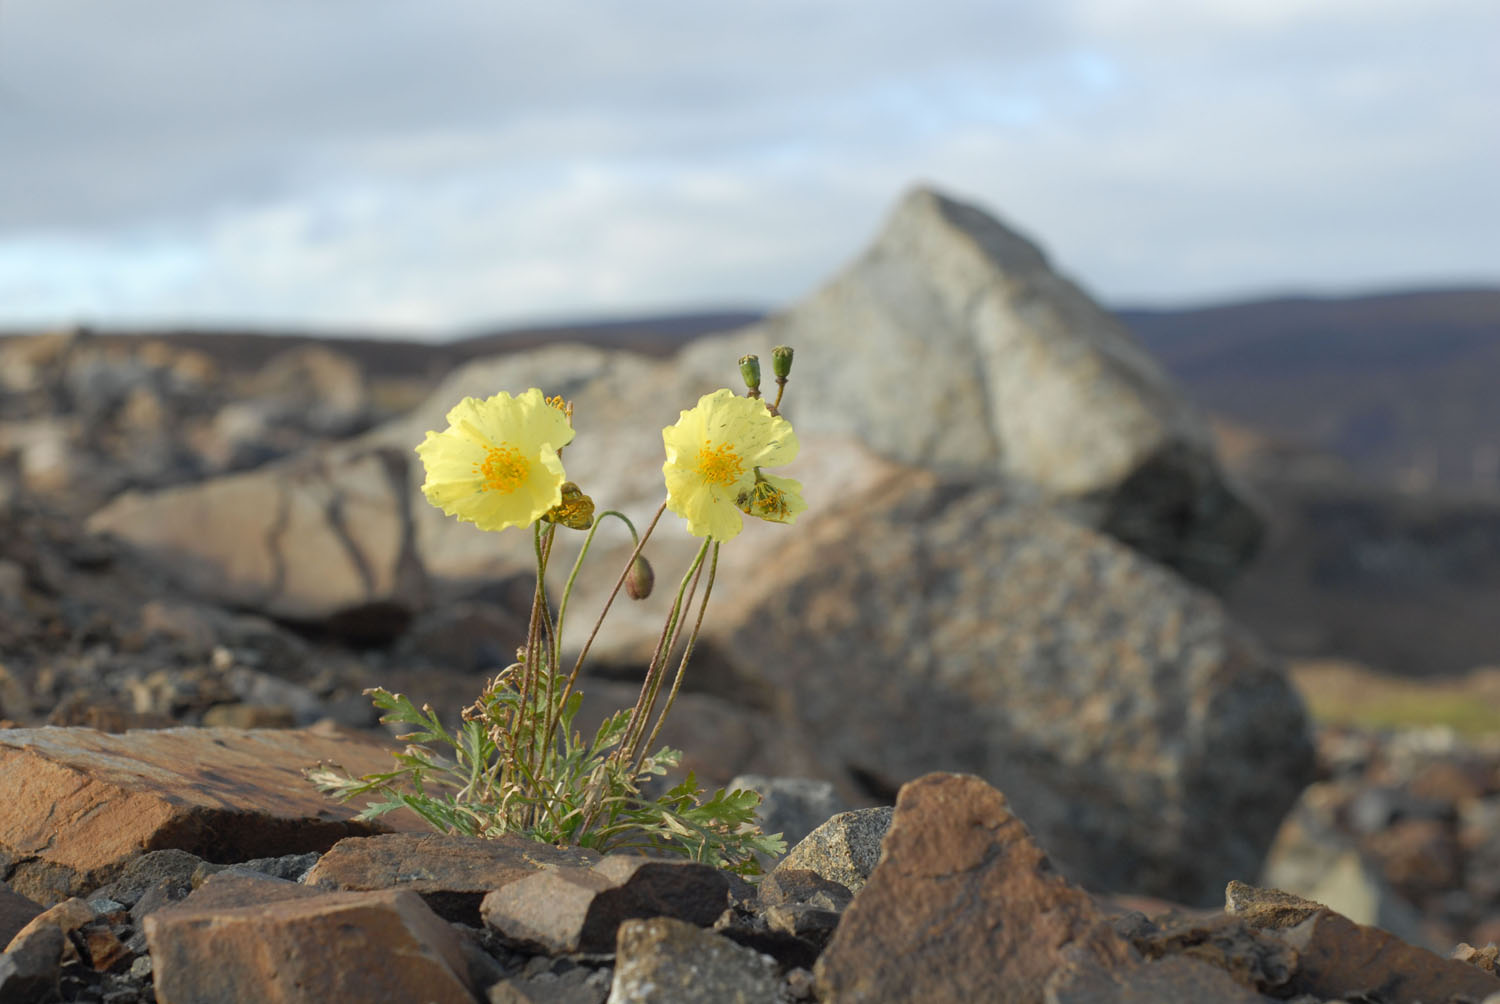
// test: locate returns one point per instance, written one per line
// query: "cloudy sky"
(423, 167)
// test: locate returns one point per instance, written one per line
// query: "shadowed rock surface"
(1150, 743)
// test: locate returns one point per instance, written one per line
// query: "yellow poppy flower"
(496, 464)
(714, 456)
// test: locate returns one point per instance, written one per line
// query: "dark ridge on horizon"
(1400, 385)
(246, 349)
(1300, 296)
(1420, 326)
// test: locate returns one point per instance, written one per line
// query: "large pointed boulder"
(953, 343)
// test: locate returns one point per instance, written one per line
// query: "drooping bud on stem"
(641, 578)
(750, 370)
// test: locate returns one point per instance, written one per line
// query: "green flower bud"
(750, 370)
(640, 580)
(781, 361)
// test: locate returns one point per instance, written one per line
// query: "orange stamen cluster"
(719, 465)
(503, 469)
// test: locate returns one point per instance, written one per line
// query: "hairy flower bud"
(781, 361)
(640, 580)
(750, 370)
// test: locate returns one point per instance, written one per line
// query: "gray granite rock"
(665, 961)
(30, 970)
(321, 538)
(563, 909)
(843, 850)
(952, 343)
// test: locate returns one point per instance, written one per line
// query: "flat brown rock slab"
(233, 890)
(451, 873)
(357, 946)
(1339, 958)
(1175, 978)
(962, 906)
(76, 805)
(1254, 958)
(565, 910)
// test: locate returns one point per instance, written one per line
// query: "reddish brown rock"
(1176, 978)
(451, 873)
(962, 906)
(100, 948)
(1254, 958)
(233, 890)
(76, 805)
(1418, 856)
(1339, 958)
(370, 946)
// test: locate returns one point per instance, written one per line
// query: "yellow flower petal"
(713, 452)
(496, 464)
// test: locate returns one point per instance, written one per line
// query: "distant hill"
(1402, 385)
(245, 351)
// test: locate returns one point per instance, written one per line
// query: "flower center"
(503, 469)
(719, 465)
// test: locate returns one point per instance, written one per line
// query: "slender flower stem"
(544, 748)
(656, 669)
(555, 708)
(650, 686)
(635, 538)
(535, 638)
(578, 665)
(687, 653)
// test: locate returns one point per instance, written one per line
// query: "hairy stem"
(629, 564)
(656, 669)
(687, 653)
(554, 711)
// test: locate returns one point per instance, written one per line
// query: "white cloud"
(458, 162)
